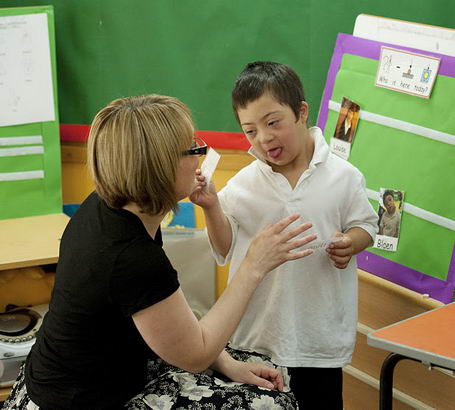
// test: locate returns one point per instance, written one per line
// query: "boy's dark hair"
(386, 193)
(260, 77)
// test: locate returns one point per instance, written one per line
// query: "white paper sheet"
(26, 92)
(322, 244)
(209, 165)
(406, 33)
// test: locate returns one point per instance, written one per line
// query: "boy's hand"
(342, 251)
(201, 196)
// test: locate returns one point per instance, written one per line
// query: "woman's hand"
(205, 198)
(272, 246)
(256, 373)
(250, 373)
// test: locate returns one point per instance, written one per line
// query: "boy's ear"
(304, 111)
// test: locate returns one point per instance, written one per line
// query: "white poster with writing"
(26, 92)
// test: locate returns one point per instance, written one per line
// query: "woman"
(116, 303)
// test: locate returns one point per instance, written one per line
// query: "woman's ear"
(304, 111)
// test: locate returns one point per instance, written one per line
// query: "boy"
(389, 224)
(304, 314)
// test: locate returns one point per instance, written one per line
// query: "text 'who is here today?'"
(407, 72)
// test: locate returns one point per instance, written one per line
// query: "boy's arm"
(218, 226)
(360, 225)
(355, 240)
(360, 238)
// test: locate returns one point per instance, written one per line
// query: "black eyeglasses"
(199, 147)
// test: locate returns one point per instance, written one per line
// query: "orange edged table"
(428, 338)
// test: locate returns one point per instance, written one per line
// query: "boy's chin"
(277, 164)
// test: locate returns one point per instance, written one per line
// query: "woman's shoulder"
(142, 249)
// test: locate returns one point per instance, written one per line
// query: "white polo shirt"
(304, 313)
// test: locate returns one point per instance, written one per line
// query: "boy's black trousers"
(317, 387)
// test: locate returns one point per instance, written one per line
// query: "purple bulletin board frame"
(368, 261)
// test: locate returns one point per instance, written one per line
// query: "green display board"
(31, 184)
(422, 167)
(404, 143)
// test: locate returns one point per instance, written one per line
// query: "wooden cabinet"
(26, 243)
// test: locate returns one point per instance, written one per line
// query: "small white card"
(323, 244)
(208, 166)
(340, 148)
(386, 243)
(407, 72)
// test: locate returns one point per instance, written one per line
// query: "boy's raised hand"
(342, 251)
(201, 196)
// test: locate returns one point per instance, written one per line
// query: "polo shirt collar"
(321, 149)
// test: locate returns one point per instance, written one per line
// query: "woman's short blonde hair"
(134, 148)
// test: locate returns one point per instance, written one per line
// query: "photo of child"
(389, 212)
(347, 121)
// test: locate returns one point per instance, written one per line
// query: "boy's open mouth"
(275, 152)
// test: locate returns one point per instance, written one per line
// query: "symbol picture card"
(407, 72)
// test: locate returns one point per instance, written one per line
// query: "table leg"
(386, 382)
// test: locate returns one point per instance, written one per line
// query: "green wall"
(194, 49)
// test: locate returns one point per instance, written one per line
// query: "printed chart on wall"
(30, 182)
(405, 147)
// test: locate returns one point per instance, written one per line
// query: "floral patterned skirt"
(176, 389)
